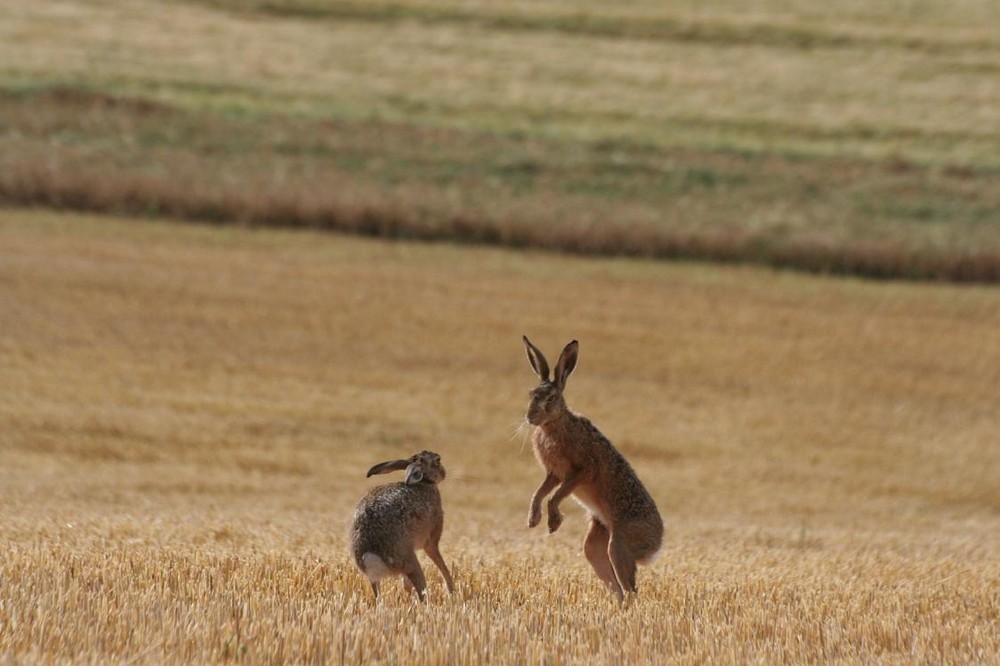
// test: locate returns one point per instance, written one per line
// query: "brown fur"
(393, 521)
(625, 526)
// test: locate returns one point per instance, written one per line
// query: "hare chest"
(552, 455)
(562, 458)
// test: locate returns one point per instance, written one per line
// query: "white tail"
(374, 567)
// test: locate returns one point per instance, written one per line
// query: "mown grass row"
(773, 29)
(80, 150)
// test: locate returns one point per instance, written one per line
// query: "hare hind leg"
(623, 562)
(414, 577)
(595, 547)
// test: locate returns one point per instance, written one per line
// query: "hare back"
(395, 516)
(401, 502)
(625, 493)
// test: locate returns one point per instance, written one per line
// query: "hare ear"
(390, 466)
(414, 474)
(566, 363)
(538, 362)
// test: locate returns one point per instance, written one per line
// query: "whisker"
(522, 430)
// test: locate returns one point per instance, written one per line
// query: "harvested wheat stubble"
(189, 413)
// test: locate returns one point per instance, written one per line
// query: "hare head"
(547, 398)
(424, 466)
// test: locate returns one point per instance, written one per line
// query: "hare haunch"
(393, 521)
(625, 527)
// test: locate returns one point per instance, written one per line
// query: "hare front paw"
(555, 520)
(534, 516)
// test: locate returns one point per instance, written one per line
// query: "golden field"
(188, 413)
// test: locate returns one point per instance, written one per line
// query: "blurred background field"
(850, 137)
(188, 409)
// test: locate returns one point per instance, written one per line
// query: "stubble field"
(188, 412)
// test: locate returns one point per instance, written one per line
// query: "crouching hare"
(625, 527)
(395, 520)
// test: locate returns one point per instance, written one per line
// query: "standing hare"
(625, 527)
(393, 521)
